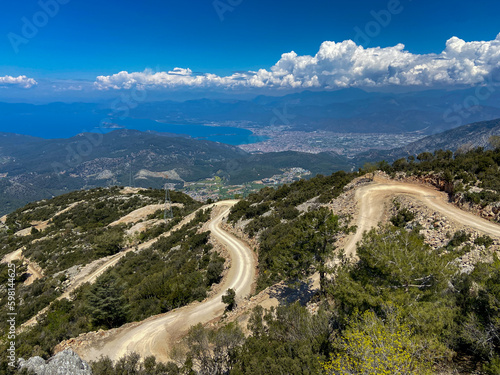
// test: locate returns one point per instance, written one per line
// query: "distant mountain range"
(35, 168)
(349, 110)
(466, 137)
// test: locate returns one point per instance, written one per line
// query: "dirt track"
(92, 271)
(152, 336)
(372, 201)
(42, 225)
(33, 269)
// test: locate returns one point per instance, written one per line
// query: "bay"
(51, 125)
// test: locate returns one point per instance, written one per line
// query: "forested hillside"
(75, 233)
(292, 241)
(420, 297)
(34, 168)
(471, 177)
(403, 306)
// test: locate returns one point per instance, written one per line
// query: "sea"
(66, 125)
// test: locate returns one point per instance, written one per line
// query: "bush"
(371, 345)
(485, 241)
(229, 299)
(458, 238)
(402, 217)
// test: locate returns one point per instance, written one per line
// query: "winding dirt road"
(90, 272)
(372, 199)
(152, 336)
(34, 270)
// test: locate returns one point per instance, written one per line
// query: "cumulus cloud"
(21, 81)
(341, 65)
(175, 78)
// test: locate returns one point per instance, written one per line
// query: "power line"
(168, 204)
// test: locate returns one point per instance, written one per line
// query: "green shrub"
(402, 217)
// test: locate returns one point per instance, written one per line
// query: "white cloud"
(340, 65)
(21, 81)
(175, 78)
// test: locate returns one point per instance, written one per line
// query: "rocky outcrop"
(84, 340)
(490, 211)
(432, 179)
(437, 231)
(63, 363)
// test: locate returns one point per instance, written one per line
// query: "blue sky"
(85, 39)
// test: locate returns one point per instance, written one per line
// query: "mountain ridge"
(34, 168)
(465, 137)
(357, 110)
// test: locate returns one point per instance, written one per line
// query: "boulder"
(63, 363)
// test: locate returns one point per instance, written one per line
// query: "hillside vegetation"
(401, 306)
(292, 243)
(173, 271)
(34, 168)
(470, 176)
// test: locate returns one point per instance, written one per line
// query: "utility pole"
(168, 213)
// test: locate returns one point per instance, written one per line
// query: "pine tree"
(107, 306)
